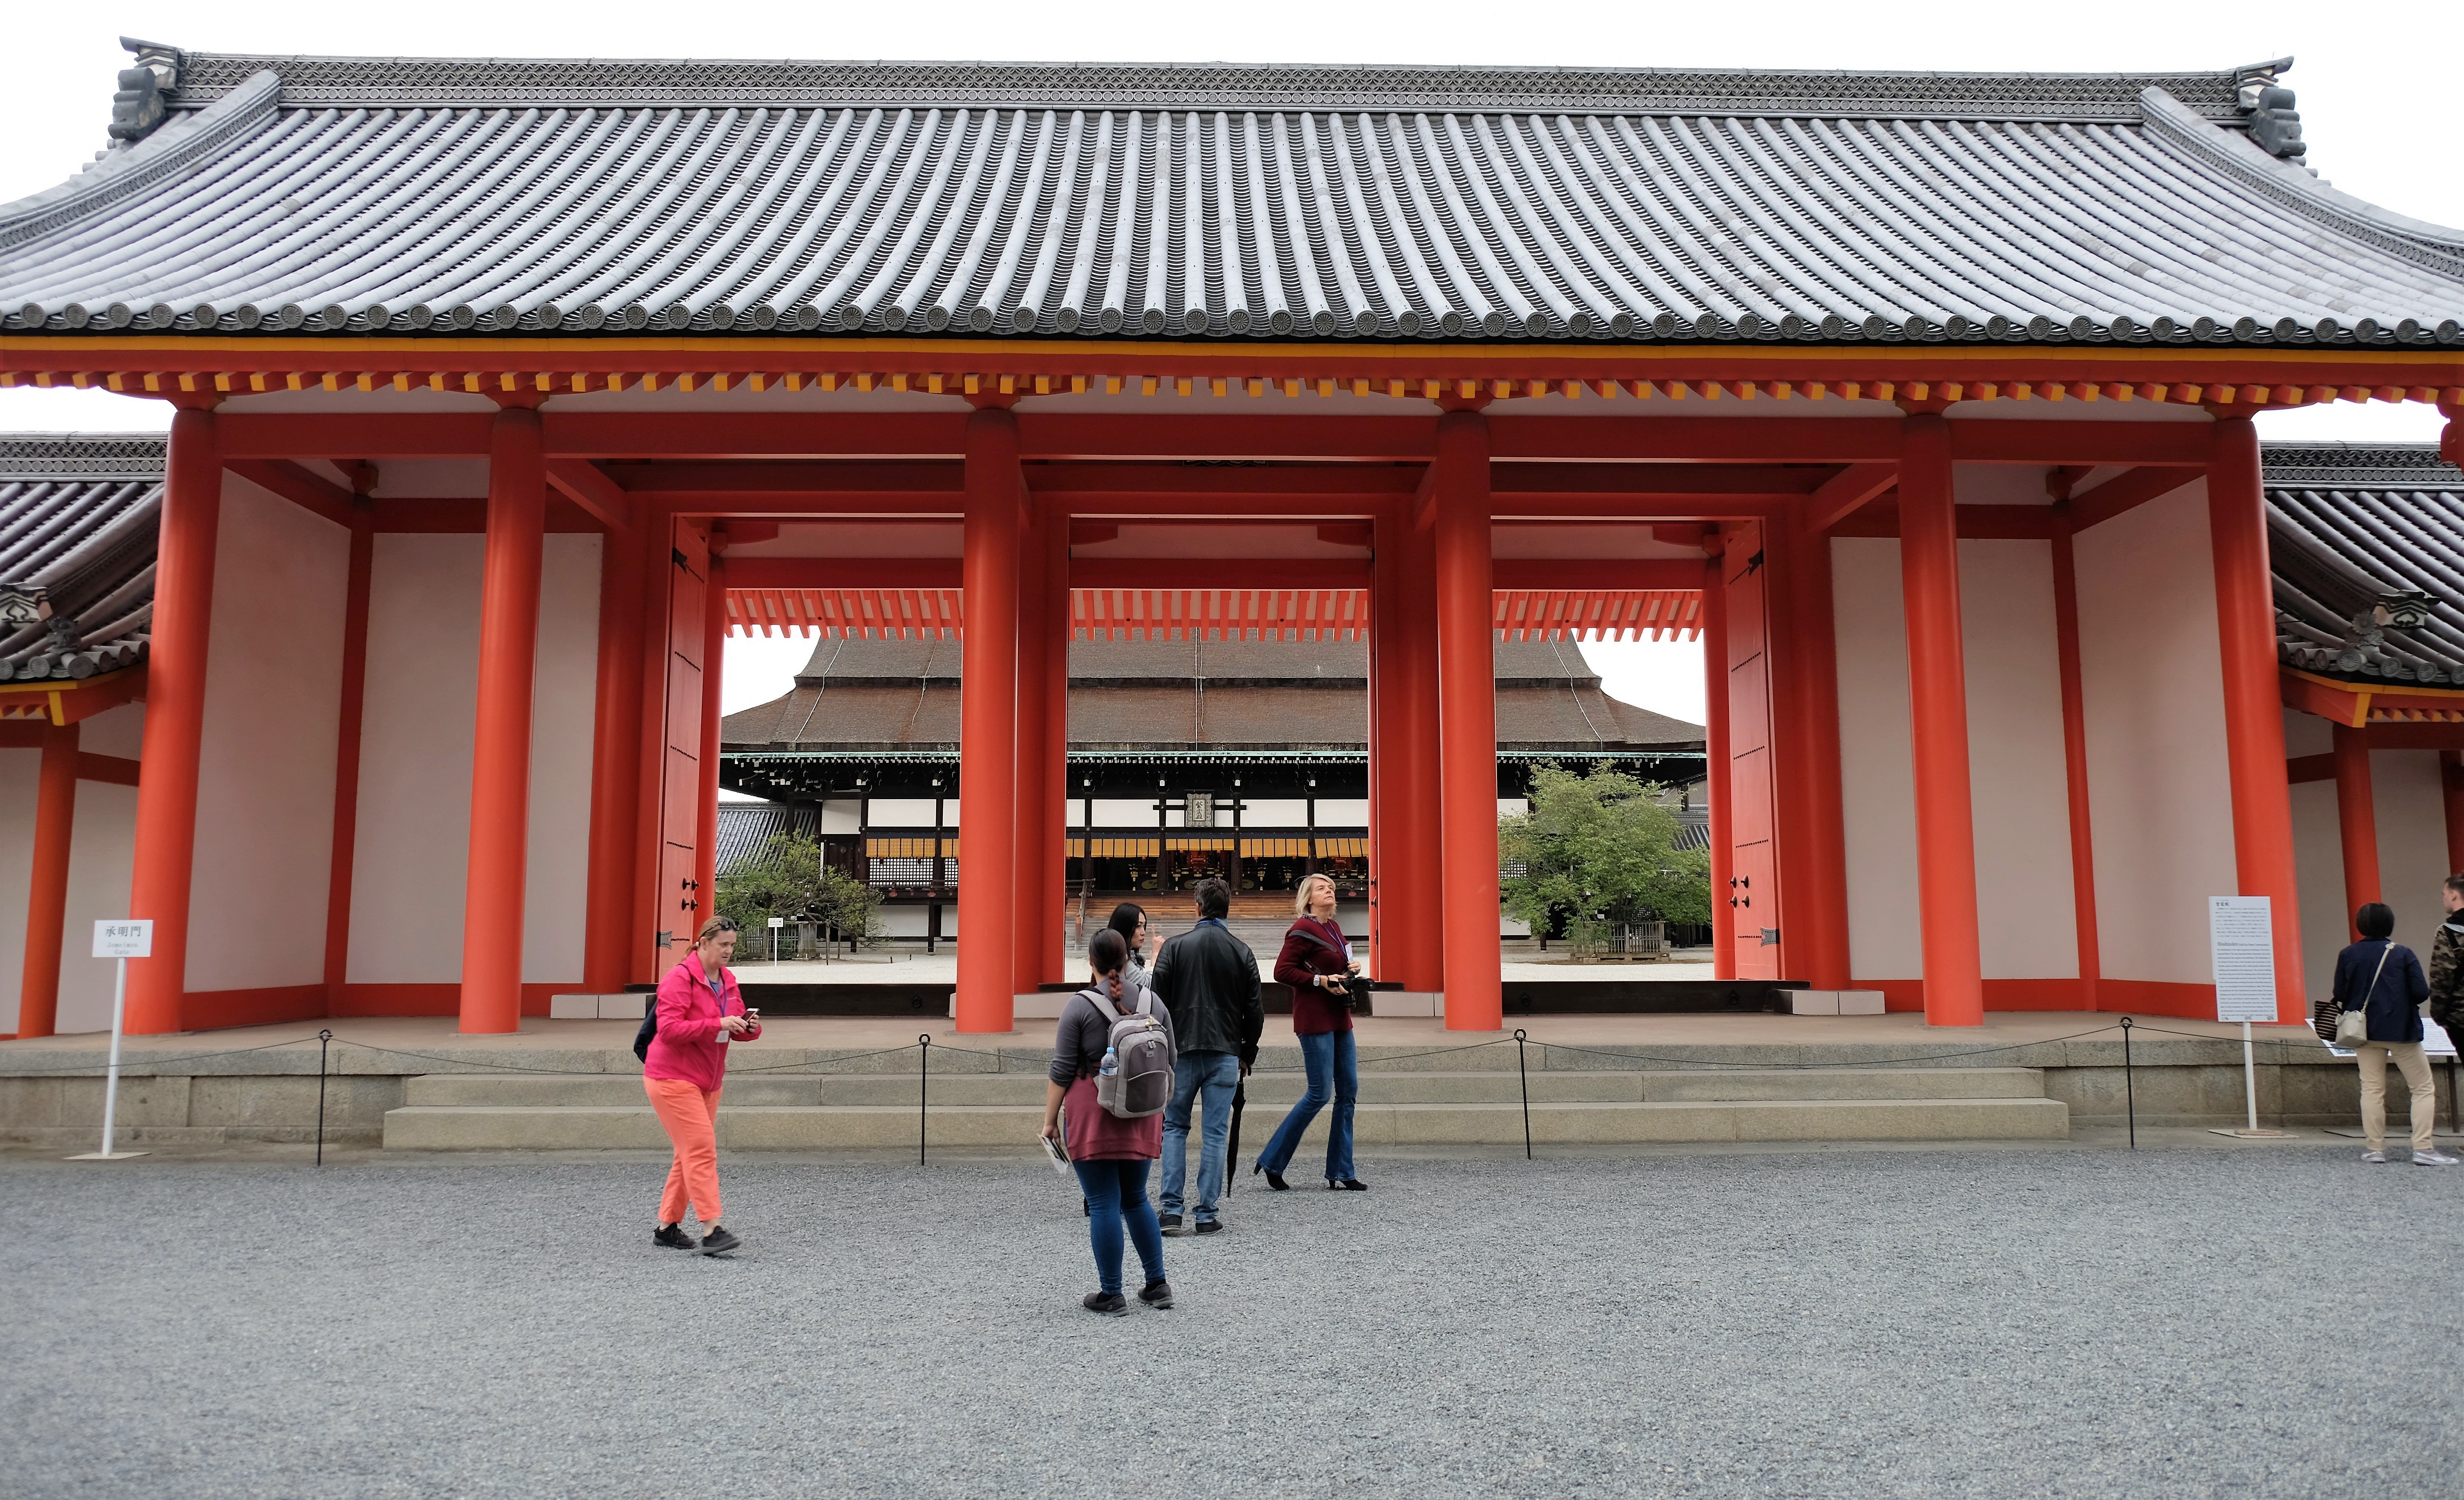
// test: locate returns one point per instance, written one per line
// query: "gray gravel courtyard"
(2004, 1323)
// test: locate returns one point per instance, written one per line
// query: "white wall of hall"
(2160, 792)
(419, 714)
(2015, 771)
(98, 869)
(266, 756)
(2412, 822)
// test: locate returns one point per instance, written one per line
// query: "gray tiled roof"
(2350, 524)
(492, 196)
(1145, 696)
(77, 521)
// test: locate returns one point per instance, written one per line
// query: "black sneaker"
(1111, 1302)
(719, 1241)
(1157, 1294)
(1210, 1227)
(1171, 1223)
(672, 1237)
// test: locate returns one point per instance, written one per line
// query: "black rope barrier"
(324, 1041)
(923, 1082)
(127, 1064)
(1523, 1077)
(2129, 1084)
(1863, 1061)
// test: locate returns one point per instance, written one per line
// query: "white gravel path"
(1916, 1323)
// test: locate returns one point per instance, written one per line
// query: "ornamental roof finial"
(138, 107)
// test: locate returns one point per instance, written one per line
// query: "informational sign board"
(778, 921)
(1198, 810)
(124, 938)
(2241, 937)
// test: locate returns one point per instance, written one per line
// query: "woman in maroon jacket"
(1317, 967)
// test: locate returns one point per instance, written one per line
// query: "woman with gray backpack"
(1111, 1073)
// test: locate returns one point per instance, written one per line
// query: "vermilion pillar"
(714, 682)
(1716, 768)
(615, 764)
(1818, 895)
(1468, 721)
(2262, 803)
(2357, 828)
(1386, 840)
(164, 856)
(987, 713)
(1057, 956)
(47, 902)
(1403, 635)
(1031, 874)
(500, 769)
(2066, 651)
(1954, 985)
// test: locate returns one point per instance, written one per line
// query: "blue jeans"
(1116, 1196)
(1333, 1063)
(1216, 1074)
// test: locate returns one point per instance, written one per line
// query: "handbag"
(2353, 1025)
(1335, 999)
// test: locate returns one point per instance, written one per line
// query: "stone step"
(832, 1127)
(1275, 1089)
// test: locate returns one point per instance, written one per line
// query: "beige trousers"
(2374, 1057)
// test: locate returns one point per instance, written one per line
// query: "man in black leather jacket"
(1208, 980)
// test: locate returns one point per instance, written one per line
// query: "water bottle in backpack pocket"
(1134, 1079)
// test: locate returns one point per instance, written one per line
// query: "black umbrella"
(1232, 1152)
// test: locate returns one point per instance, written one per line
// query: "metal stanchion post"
(2129, 1090)
(1524, 1077)
(923, 1083)
(324, 1040)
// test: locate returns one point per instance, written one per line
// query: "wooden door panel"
(1751, 789)
(1750, 798)
(680, 906)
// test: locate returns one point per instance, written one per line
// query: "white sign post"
(2241, 936)
(124, 939)
(776, 923)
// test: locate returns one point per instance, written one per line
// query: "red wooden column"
(2066, 651)
(1468, 721)
(2262, 803)
(1716, 769)
(1387, 818)
(2357, 828)
(47, 902)
(2450, 786)
(1407, 756)
(500, 770)
(1031, 743)
(615, 765)
(164, 856)
(713, 681)
(1817, 894)
(347, 761)
(1058, 959)
(1954, 985)
(987, 713)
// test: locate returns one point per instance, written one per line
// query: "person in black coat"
(1208, 980)
(2382, 979)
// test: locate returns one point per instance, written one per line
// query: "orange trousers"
(689, 1116)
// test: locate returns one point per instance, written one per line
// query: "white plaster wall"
(2319, 882)
(20, 772)
(841, 817)
(564, 698)
(1877, 806)
(265, 786)
(899, 812)
(1274, 812)
(417, 724)
(2017, 774)
(101, 859)
(2412, 859)
(2413, 842)
(2158, 780)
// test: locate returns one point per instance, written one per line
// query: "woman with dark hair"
(1129, 920)
(1109, 1153)
(2382, 979)
(700, 1011)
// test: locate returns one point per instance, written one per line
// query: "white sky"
(2376, 86)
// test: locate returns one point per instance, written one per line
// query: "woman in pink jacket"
(700, 1013)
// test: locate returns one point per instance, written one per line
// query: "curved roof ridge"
(318, 80)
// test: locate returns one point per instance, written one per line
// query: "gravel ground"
(1940, 1323)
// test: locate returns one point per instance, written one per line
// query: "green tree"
(789, 880)
(1599, 848)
